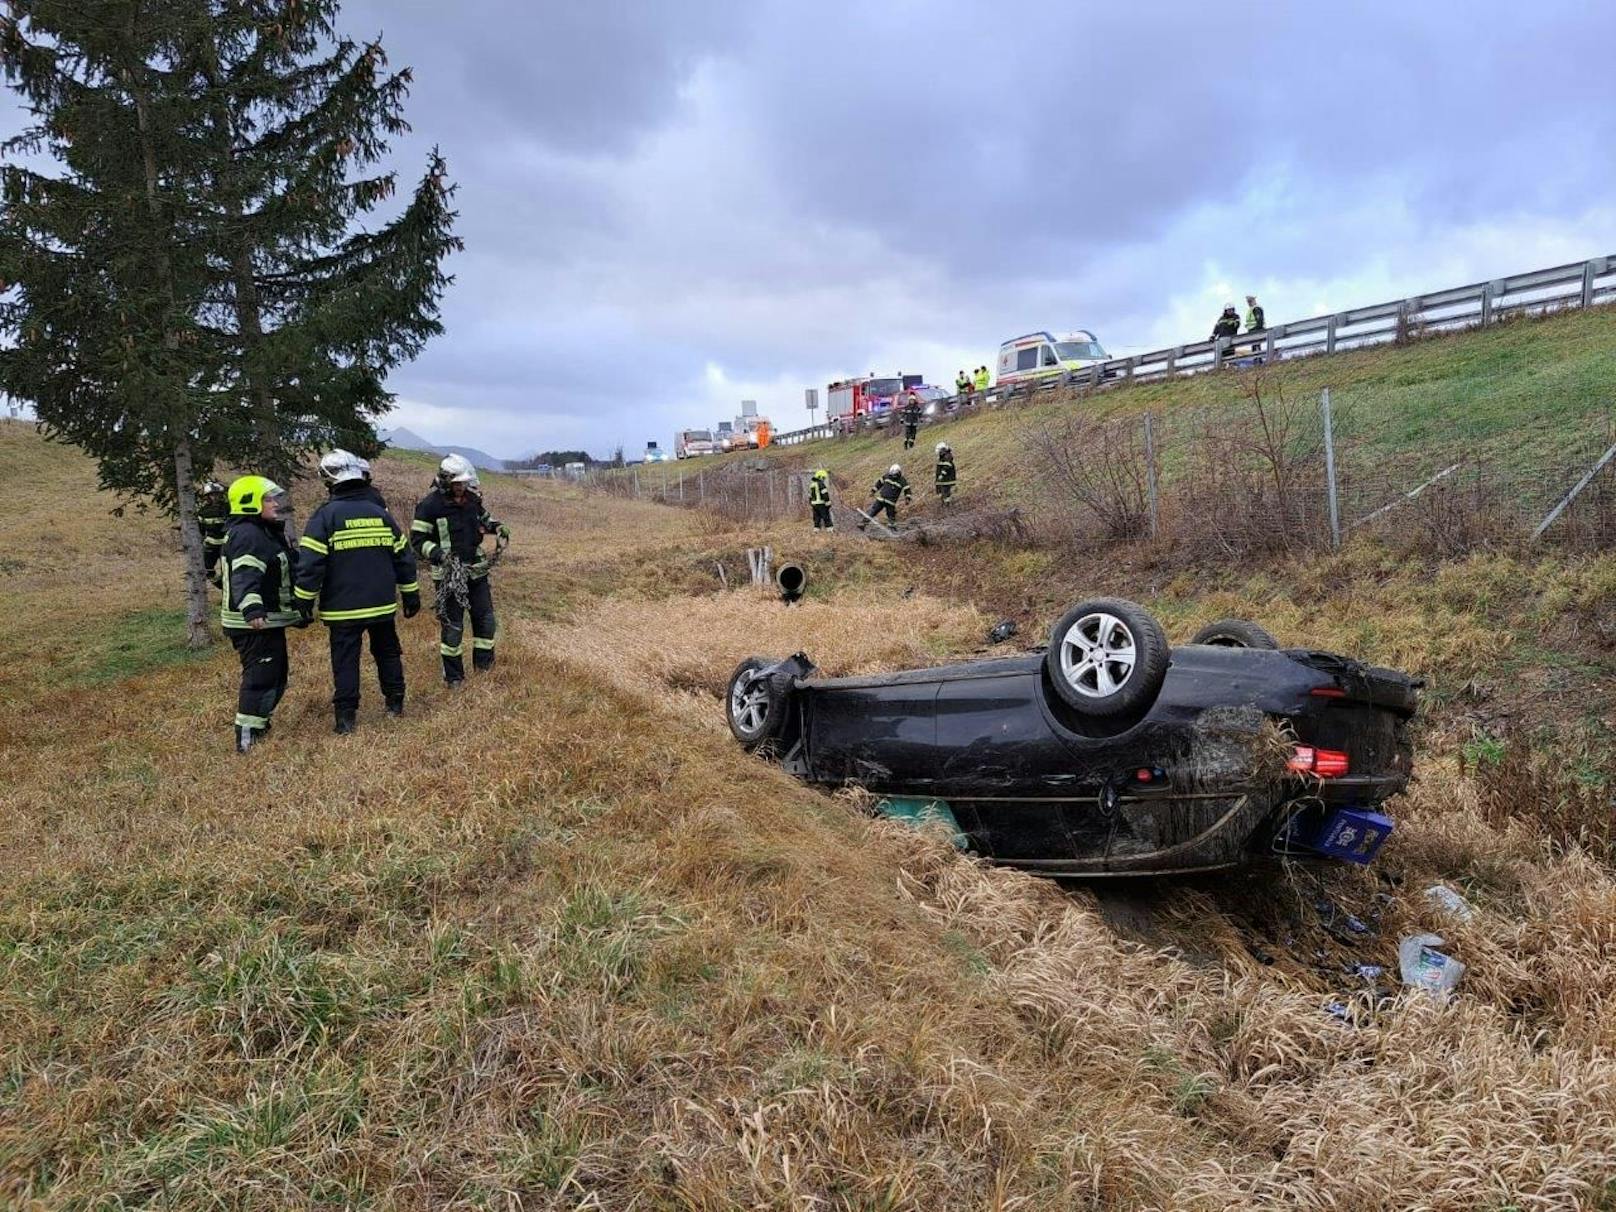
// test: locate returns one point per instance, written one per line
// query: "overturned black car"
(1108, 753)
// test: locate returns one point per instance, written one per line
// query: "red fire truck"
(851, 403)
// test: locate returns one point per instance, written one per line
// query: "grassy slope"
(1531, 393)
(602, 956)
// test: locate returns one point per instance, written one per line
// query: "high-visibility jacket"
(1254, 319)
(890, 487)
(256, 576)
(442, 525)
(962, 383)
(945, 472)
(818, 492)
(215, 528)
(354, 559)
(983, 379)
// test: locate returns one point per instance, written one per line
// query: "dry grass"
(558, 943)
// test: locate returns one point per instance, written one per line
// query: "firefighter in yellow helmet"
(256, 571)
(819, 500)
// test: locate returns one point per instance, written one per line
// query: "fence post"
(1217, 351)
(771, 494)
(681, 488)
(701, 483)
(1150, 475)
(1575, 492)
(1588, 284)
(1329, 334)
(1486, 304)
(1329, 470)
(636, 483)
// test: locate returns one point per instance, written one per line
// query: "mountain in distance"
(408, 439)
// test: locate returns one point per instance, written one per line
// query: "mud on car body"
(1108, 753)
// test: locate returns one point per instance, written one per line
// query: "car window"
(1077, 351)
(1049, 356)
(1027, 359)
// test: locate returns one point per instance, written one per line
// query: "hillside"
(1525, 406)
(556, 942)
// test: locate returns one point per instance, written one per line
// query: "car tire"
(754, 706)
(1107, 657)
(1235, 633)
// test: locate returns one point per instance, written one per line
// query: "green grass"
(135, 643)
(1531, 393)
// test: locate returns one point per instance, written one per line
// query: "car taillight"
(1325, 763)
(1328, 692)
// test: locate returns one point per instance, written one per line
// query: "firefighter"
(911, 419)
(983, 380)
(355, 562)
(1254, 315)
(449, 526)
(256, 570)
(1228, 323)
(887, 492)
(819, 500)
(947, 477)
(213, 519)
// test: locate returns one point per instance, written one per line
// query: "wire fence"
(1277, 474)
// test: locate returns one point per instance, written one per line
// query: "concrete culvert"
(793, 582)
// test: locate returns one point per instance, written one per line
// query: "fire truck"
(853, 403)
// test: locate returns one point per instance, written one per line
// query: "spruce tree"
(192, 282)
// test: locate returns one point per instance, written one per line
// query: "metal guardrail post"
(1588, 275)
(1329, 334)
(1486, 304)
(1329, 469)
(1218, 347)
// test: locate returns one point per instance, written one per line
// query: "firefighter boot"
(395, 705)
(245, 738)
(345, 721)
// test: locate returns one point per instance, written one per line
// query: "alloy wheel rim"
(1098, 655)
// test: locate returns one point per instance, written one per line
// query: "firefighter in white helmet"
(888, 491)
(449, 527)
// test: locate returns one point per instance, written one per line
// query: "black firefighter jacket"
(354, 559)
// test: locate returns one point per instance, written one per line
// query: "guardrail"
(1578, 284)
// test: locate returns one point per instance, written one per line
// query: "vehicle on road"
(1107, 753)
(655, 455)
(852, 404)
(690, 443)
(724, 435)
(1039, 355)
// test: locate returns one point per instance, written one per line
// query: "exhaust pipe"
(793, 582)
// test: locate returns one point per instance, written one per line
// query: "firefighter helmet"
(248, 495)
(821, 474)
(339, 466)
(894, 470)
(456, 469)
(942, 446)
(211, 498)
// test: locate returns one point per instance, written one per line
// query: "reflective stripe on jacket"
(256, 576)
(945, 471)
(440, 524)
(354, 558)
(889, 488)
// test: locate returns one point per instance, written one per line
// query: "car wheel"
(1107, 657)
(755, 705)
(1235, 633)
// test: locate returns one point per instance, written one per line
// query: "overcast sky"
(669, 206)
